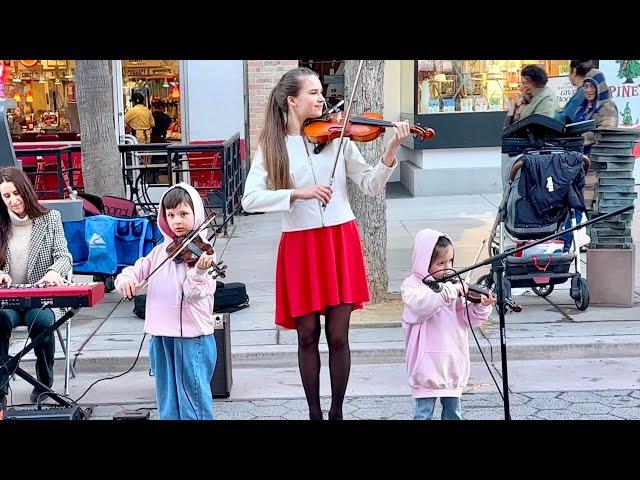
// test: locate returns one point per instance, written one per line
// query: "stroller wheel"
(542, 290)
(583, 300)
(486, 281)
(109, 282)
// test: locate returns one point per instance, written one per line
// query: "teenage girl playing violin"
(320, 267)
(179, 307)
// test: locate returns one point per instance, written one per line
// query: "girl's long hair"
(273, 135)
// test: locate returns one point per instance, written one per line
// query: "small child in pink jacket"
(435, 328)
(179, 312)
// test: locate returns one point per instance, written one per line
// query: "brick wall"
(262, 76)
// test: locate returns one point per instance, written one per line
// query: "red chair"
(118, 207)
(208, 181)
(46, 183)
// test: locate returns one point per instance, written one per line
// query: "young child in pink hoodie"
(179, 312)
(435, 328)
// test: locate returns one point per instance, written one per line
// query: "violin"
(192, 253)
(474, 291)
(363, 128)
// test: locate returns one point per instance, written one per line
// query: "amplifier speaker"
(222, 379)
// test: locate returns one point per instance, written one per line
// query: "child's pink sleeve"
(424, 302)
(478, 313)
(199, 284)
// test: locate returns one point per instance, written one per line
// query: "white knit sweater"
(19, 239)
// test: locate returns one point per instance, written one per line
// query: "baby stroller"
(543, 189)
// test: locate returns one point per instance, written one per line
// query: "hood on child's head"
(423, 247)
(198, 212)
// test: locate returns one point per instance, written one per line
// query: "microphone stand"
(497, 266)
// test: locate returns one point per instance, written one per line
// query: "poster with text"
(623, 78)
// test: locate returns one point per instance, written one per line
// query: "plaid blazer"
(47, 249)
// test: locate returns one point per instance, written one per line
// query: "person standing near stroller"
(179, 307)
(435, 327)
(597, 105)
(536, 97)
(320, 268)
(577, 70)
(33, 249)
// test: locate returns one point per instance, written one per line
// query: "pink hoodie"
(435, 328)
(165, 288)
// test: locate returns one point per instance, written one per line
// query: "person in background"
(162, 122)
(578, 69)
(139, 119)
(536, 97)
(18, 121)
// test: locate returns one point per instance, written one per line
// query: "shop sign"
(30, 75)
(148, 71)
(136, 72)
(158, 71)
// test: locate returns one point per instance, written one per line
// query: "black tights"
(337, 331)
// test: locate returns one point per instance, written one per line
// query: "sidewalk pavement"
(106, 338)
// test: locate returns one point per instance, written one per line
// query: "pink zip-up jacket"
(435, 328)
(166, 286)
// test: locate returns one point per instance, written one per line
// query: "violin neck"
(377, 123)
(370, 121)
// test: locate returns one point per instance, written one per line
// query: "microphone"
(433, 285)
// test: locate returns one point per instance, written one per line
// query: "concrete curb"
(366, 353)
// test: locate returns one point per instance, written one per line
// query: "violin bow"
(344, 125)
(466, 280)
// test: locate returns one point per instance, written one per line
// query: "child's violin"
(192, 253)
(475, 291)
(362, 128)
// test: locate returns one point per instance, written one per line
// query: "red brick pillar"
(262, 76)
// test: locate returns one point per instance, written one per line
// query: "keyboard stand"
(12, 363)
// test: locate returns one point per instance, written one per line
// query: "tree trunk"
(371, 212)
(100, 156)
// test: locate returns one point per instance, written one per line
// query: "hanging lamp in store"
(16, 96)
(175, 91)
(165, 84)
(29, 97)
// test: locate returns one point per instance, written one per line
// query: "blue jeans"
(36, 321)
(567, 238)
(451, 408)
(183, 389)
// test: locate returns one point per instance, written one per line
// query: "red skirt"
(319, 268)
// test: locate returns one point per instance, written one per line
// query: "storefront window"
(158, 81)
(41, 99)
(451, 86)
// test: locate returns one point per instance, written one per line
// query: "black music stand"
(498, 268)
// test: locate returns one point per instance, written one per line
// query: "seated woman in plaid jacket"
(33, 249)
